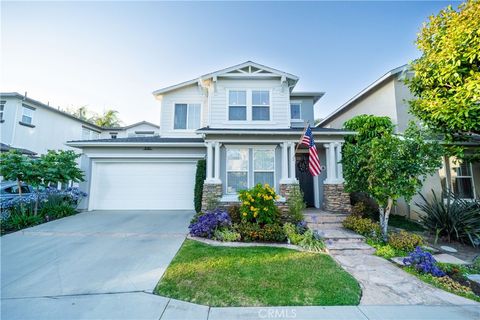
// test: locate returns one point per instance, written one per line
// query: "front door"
(305, 179)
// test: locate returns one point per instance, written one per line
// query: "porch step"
(324, 218)
(322, 226)
(349, 248)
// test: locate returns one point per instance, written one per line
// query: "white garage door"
(149, 185)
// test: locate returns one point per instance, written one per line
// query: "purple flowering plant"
(423, 262)
(208, 222)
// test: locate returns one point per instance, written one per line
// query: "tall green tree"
(446, 79)
(387, 166)
(108, 119)
(60, 166)
(15, 166)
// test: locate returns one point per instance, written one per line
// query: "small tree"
(446, 79)
(387, 166)
(15, 166)
(60, 167)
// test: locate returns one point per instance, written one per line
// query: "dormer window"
(261, 105)
(187, 116)
(237, 105)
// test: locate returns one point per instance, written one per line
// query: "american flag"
(313, 162)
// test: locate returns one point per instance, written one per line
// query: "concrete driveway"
(102, 264)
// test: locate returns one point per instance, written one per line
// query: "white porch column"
(217, 162)
(330, 156)
(339, 165)
(293, 177)
(284, 163)
(209, 161)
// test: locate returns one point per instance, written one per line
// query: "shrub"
(226, 235)
(258, 204)
(453, 218)
(234, 213)
(359, 209)
(207, 223)
(200, 177)
(57, 211)
(302, 226)
(364, 226)
(292, 233)
(266, 233)
(312, 241)
(451, 285)
(404, 240)
(423, 262)
(368, 208)
(21, 220)
(296, 205)
(386, 251)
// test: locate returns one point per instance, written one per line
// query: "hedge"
(200, 177)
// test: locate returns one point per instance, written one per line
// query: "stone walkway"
(382, 282)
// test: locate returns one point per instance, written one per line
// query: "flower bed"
(257, 219)
(19, 212)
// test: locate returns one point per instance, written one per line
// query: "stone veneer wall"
(211, 190)
(335, 199)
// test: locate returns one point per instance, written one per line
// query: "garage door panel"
(143, 185)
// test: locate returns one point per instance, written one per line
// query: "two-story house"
(245, 120)
(34, 127)
(389, 96)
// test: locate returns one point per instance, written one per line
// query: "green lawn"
(256, 276)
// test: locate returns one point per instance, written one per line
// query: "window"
(187, 116)
(27, 115)
(264, 166)
(2, 108)
(237, 170)
(456, 176)
(261, 105)
(113, 136)
(237, 105)
(295, 111)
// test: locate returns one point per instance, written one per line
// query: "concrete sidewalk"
(141, 305)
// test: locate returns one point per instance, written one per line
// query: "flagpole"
(301, 137)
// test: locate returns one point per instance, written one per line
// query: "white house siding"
(51, 129)
(189, 94)
(402, 96)
(279, 104)
(380, 102)
(124, 133)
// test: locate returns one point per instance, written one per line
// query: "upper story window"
(261, 105)
(187, 116)
(295, 111)
(237, 105)
(27, 115)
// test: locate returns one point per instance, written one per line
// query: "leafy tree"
(446, 77)
(108, 119)
(15, 166)
(60, 167)
(387, 166)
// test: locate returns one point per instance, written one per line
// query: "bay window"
(186, 116)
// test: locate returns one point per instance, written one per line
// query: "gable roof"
(239, 71)
(347, 105)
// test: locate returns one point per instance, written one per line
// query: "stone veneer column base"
(213, 190)
(335, 199)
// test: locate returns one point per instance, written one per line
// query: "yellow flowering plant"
(258, 204)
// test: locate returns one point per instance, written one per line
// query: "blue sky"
(114, 54)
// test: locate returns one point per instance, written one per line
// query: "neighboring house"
(245, 120)
(34, 127)
(388, 96)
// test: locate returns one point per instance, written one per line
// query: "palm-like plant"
(452, 217)
(108, 119)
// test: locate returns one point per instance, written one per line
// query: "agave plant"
(452, 217)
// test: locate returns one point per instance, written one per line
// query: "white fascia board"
(135, 144)
(274, 132)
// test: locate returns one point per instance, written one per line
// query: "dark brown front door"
(305, 179)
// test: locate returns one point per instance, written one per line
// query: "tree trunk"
(36, 201)
(384, 216)
(19, 184)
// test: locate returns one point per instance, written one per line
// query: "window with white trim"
(261, 105)
(237, 105)
(295, 111)
(27, 115)
(237, 170)
(456, 176)
(186, 116)
(264, 166)
(2, 108)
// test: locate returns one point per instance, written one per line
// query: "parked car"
(9, 190)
